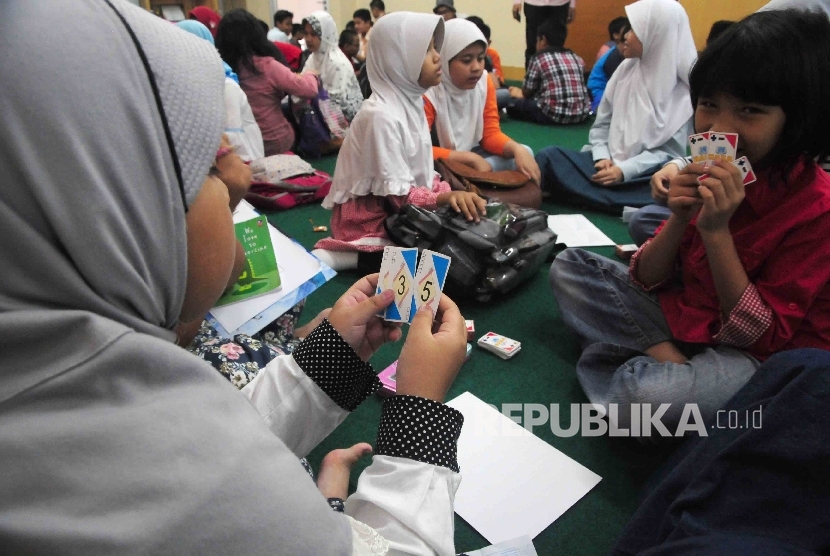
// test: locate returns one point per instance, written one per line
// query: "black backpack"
(492, 256)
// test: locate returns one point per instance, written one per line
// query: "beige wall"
(262, 10)
(703, 13)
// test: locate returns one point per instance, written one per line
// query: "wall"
(703, 13)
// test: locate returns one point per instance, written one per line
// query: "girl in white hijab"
(643, 120)
(329, 62)
(386, 158)
(113, 440)
(464, 108)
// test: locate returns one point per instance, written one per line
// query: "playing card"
(744, 166)
(699, 145)
(429, 280)
(722, 146)
(384, 275)
(502, 346)
(396, 270)
(746, 170)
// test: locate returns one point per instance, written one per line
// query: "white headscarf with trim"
(459, 113)
(388, 148)
(650, 95)
(335, 70)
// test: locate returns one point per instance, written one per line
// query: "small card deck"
(502, 346)
(413, 287)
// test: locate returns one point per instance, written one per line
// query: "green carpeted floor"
(542, 373)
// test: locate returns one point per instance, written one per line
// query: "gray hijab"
(800, 4)
(112, 439)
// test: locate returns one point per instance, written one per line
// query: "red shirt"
(782, 236)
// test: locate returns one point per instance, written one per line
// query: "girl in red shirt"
(737, 273)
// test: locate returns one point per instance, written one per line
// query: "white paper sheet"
(523, 546)
(574, 230)
(296, 267)
(513, 483)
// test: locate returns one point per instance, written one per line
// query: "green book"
(261, 274)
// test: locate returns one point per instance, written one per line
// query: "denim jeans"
(616, 321)
(499, 163)
(645, 222)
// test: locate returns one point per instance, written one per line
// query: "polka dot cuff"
(419, 429)
(334, 366)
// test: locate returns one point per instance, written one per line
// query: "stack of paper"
(574, 230)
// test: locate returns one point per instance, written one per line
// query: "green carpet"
(542, 373)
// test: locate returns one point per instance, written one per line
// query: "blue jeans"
(502, 98)
(499, 163)
(616, 321)
(645, 222)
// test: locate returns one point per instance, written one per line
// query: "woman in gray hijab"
(112, 438)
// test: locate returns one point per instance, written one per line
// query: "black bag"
(492, 256)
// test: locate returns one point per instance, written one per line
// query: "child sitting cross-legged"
(463, 108)
(737, 273)
(386, 159)
(554, 89)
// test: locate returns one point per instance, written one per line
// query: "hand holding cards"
(709, 147)
(413, 288)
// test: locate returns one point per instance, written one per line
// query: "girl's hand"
(336, 469)
(684, 199)
(432, 355)
(516, 92)
(354, 316)
(603, 164)
(660, 182)
(721, 192)
(465, 202)
(526, 164)
(608, 175)
(471, 159)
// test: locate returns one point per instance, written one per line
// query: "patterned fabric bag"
(279, 167)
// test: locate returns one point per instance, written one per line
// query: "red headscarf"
(206, 17)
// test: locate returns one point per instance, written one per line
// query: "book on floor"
(260, 274)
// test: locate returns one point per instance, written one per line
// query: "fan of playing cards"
(413, 289)
(711, 146)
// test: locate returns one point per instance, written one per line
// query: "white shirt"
(415, 515)
(276, 35)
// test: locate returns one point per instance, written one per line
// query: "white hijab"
(459, 113)
(649, 96)
(388, 148)
(334, 68)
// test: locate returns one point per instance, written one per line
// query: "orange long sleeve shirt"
(492, 140)
(496, 59)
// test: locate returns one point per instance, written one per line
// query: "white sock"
(338, 260)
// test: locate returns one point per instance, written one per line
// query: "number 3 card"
(412, 289)
(396, 271)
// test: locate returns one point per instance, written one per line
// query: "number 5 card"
(429, 280)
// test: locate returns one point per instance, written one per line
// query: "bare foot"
(333, 476)
(306, 329)
(666, 351)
